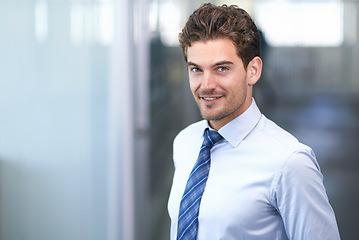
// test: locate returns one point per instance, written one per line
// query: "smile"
(210, 98)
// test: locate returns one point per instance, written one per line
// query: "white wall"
(65, 100)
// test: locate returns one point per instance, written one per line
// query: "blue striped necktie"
(191, 199)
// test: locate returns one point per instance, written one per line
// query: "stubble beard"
(221, 114)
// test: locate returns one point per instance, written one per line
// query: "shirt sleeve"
(301, 200)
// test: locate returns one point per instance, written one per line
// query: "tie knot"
(211, 137)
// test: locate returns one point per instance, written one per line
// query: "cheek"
(237, 88)
(193, 86)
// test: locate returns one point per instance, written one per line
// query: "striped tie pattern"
(191, 199)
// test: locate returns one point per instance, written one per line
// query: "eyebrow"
(214, 65)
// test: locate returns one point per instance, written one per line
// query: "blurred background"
(93, 92)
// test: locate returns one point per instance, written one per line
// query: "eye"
(195, 70)
(222, 69)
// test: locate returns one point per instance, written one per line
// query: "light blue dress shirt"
(263, 183)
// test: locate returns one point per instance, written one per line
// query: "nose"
(209, 81)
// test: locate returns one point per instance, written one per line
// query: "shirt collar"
(237, 129)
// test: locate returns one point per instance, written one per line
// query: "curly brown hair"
(213, 22)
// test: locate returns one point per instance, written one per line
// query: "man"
(237, 174)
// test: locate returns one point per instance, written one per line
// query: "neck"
(218, 124)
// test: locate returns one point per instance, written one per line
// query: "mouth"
(210, 98)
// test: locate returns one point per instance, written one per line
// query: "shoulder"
(279, 139)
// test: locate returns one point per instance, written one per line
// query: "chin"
(213, 117)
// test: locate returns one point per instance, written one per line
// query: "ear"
(254, 70)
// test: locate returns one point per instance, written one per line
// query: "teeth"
(209, 99)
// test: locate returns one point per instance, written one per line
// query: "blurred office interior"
(93, 92)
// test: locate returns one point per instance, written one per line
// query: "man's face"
(218, 81)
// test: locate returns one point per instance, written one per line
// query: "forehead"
(212, 51)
